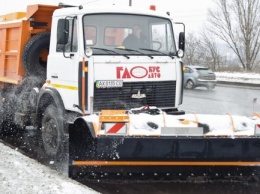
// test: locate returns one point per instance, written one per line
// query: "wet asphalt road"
(223, 99)
(29, 144)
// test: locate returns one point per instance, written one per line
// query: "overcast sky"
(191, 12)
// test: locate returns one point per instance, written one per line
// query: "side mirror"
(63, 31)
(182, 41)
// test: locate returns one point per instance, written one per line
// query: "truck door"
(63, 62)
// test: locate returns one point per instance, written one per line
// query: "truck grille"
(159, 94)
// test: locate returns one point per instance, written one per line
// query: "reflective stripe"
(64, 86)
(115, 128)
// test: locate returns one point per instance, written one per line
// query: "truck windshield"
(140, 33)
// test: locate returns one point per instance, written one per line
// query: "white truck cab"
(114, 75)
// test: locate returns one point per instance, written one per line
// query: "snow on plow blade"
(148, 143)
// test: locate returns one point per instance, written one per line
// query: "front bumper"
(207, 83)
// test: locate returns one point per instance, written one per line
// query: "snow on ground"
(23, 175)
(251, 78)
(20, 174)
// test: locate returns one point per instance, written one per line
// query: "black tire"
(53, 138)
(33, 62)
(189, 84)
(7, 110)
(17, 101)
(22, 93)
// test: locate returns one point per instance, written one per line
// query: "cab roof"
(110, 9)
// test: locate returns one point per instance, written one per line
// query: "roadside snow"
(23, 175)
(251, 78)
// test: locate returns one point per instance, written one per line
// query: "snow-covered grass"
(23, 175)
(252, 78)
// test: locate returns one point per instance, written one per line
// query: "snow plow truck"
(68, 71)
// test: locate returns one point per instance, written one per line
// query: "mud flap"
(81, 143)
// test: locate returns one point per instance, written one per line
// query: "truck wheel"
(189, 84)
(35, 53)
(53, 138)
(7, 126)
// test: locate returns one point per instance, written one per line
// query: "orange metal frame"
(158, 163)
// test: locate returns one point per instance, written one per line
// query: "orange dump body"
(15, 30)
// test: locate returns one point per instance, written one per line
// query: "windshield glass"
(128, 34)
(204, 70)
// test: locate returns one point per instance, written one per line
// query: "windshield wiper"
(132, 50)
(107, 50)
(152, 50)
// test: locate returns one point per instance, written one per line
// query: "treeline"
(230, 39)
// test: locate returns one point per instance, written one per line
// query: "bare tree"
(237, 22)
(212, 57)
(191, 49)
(203, 50)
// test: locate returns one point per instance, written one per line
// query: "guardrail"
(238, 84)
